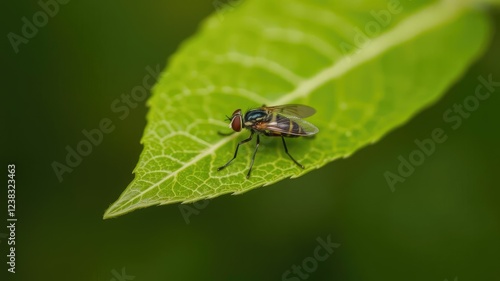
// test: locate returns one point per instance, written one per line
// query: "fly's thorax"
(255, 115)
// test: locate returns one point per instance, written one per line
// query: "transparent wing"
(291, 126)
(290, 110)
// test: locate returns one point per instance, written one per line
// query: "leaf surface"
(366, 68)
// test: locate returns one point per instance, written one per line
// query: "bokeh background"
(442, 223)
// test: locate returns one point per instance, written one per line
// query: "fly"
(283, 121)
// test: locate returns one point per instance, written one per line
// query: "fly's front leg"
(253, 157)
(225, 134)
(236, 151)
(286, 150)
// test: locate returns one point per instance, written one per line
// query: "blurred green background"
(442, 222)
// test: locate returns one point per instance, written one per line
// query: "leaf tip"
(112, 212)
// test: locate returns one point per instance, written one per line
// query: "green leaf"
(366, 68)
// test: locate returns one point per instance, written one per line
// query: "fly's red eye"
(236, 123)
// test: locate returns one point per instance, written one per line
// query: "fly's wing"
(292, 110)
(290, 125)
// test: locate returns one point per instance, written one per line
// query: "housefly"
(283, 121)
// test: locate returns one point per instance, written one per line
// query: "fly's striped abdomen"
(287, 126)
(295, 128)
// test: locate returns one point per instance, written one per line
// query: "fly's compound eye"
(236, 112)
(236, 121)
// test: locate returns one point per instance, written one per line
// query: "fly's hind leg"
(286, 150)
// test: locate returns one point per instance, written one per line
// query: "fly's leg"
(253, 157)
(286, 150)
(236, 151)
(225, 134)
